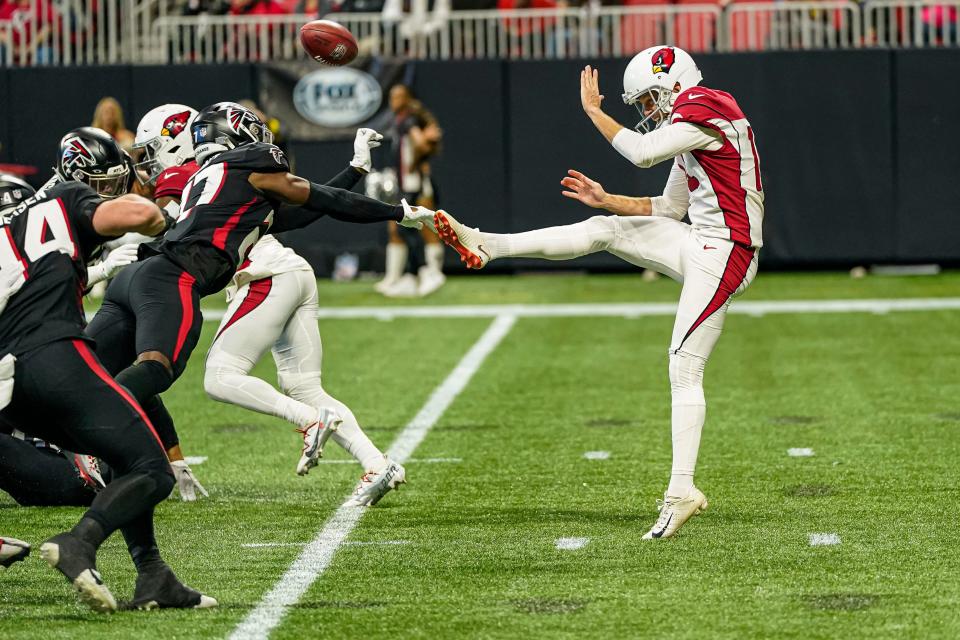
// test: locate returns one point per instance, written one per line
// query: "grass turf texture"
(874, 396)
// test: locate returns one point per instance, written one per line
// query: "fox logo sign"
(663, 60)
(175, 124)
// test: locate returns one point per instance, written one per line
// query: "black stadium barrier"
(854, 145)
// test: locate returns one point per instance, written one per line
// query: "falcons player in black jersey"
(60, 391)
(150, 319)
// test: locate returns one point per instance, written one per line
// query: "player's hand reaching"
(590, 96)
(366, 140)
(187, 483)
(119, 258)
(589, 192)
(416, 217)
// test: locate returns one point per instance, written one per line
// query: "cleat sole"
(90, 589)
(450, 237)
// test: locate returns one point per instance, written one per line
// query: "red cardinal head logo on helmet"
(176, 123)
(663, 60)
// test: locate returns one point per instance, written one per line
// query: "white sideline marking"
(596, 455)
(261, 545)
(754, 308)
(411, 460)
(571, 544)
(195, 460)
(824, 539)
(800, 453)
(318, 555)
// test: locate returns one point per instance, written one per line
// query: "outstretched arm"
(128, 213)
(591, 193)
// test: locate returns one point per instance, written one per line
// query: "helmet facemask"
(150, 166)
(661, 98)
(113, 184)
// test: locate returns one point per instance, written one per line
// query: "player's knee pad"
(686, 378)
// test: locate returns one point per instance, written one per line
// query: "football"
(328, 42)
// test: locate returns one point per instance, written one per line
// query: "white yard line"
(824, 539)
(596, 455)
(410, 461)
(571, 544)
(756, 308)
(800, 452)
(318, 555)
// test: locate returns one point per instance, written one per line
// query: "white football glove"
(187, 483)
(109, 266)
(366, 140)
(11, 279)
(416, 217)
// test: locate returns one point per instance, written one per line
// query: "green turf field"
(468, 547)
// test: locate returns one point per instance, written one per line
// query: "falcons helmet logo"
(76, 155)
(176, 123)
(663, 60)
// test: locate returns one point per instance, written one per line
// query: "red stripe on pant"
(738, 263)
(257, 292)
(185, 285)
(88, 357)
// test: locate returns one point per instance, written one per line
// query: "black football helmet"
(92, 156)
(224, 126)
(13, 191)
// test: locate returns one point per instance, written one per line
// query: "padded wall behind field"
(855, 147)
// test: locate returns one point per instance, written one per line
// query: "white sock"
(554, 243)
(687, 425)
(687, 418)
(433, 255)
(396, 261)
(352, 438)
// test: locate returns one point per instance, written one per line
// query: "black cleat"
(160, 589)
(77, 561)
(12, 550)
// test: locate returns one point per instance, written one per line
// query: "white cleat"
(314, 437)
(674, 512)
(464, 240)
(404, 287)
(12, 550)
(430, 281)
(376, 484)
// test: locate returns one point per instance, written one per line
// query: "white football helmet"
(654, 72)
(164, 136)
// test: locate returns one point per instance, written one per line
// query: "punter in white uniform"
(715, 180)
(273, 306)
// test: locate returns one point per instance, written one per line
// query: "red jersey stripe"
(220, 235)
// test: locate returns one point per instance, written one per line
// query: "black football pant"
(152, 305)
(62, 394)
(40, 476)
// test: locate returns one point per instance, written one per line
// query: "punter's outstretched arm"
(643, 150)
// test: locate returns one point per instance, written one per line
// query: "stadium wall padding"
(854, 145)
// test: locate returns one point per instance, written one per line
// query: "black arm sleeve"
(338, 204)
(346, 179)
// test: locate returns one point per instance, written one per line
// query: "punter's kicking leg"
(280, 312)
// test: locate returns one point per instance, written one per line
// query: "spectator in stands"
(256, 7)
(32, 34)
(939, 24)
(206, 7)
(416, 137)
(109, 116)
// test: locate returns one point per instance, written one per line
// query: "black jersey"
(51, 238)
(222, 215)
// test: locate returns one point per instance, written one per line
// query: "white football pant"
(712, 271)
(280, 313)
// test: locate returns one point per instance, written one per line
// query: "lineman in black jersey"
(60, 392)
(150, 319)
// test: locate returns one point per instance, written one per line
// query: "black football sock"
(142, 543)
(90, 531)
(145, 379)
(126, 498)
(162, 422)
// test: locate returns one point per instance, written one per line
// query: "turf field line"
(411, 460)
(623, 310)
(318, 554)
(824, 539)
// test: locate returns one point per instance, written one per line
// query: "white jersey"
(715, 178)
(267, 258)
